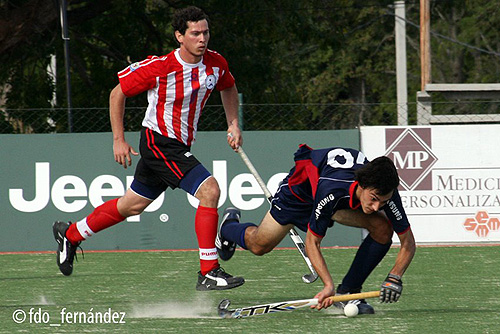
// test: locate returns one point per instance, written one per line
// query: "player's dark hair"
(184, 15)
(379, 174)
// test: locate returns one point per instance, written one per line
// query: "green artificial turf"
(446, 290)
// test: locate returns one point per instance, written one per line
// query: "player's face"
(371, 201)
(194, 42)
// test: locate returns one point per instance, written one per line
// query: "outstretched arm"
(392, 287)
(121, 149)
(230, 102)
(313, 249)
(405, 254)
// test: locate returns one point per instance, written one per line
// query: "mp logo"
(410, 149)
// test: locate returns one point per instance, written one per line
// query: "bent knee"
(260, 250)
(131, 204)
(209, 190)
(382, 233)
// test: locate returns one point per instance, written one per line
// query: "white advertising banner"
(450, 178)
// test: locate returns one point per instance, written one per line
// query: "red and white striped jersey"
(177, 91)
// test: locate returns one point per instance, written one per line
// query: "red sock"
(205, 225)
(102, 217)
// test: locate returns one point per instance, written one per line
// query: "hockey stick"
(297, 240)
(290, 305)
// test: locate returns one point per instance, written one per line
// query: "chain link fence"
(261, 117)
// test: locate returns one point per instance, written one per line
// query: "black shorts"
(286, 208)
(164, 161)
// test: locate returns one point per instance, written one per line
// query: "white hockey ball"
(351, 310)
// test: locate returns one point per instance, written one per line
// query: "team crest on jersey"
(210, 81)
(134, 66)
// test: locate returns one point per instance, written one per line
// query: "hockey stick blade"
(310, 278)
(222, 309)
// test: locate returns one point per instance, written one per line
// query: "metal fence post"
(65, 37)
(402, 90)
(424, 108)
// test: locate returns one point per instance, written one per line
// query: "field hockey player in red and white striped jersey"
(178, 85)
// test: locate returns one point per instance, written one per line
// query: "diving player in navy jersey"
(327, 185)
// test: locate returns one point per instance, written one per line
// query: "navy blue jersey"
(322, 182)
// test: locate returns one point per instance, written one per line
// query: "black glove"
(391, 289)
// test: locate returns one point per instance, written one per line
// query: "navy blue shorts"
(286, 208)
(166, 163)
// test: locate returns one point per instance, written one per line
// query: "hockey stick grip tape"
(353, 296)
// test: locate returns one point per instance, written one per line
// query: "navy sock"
(235, 232)
(369, 255)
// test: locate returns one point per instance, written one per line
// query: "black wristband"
(396, 277)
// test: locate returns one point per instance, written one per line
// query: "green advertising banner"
(48, 177)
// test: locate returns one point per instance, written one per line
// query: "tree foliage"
(286, 51)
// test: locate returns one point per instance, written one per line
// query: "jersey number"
(349, 159)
